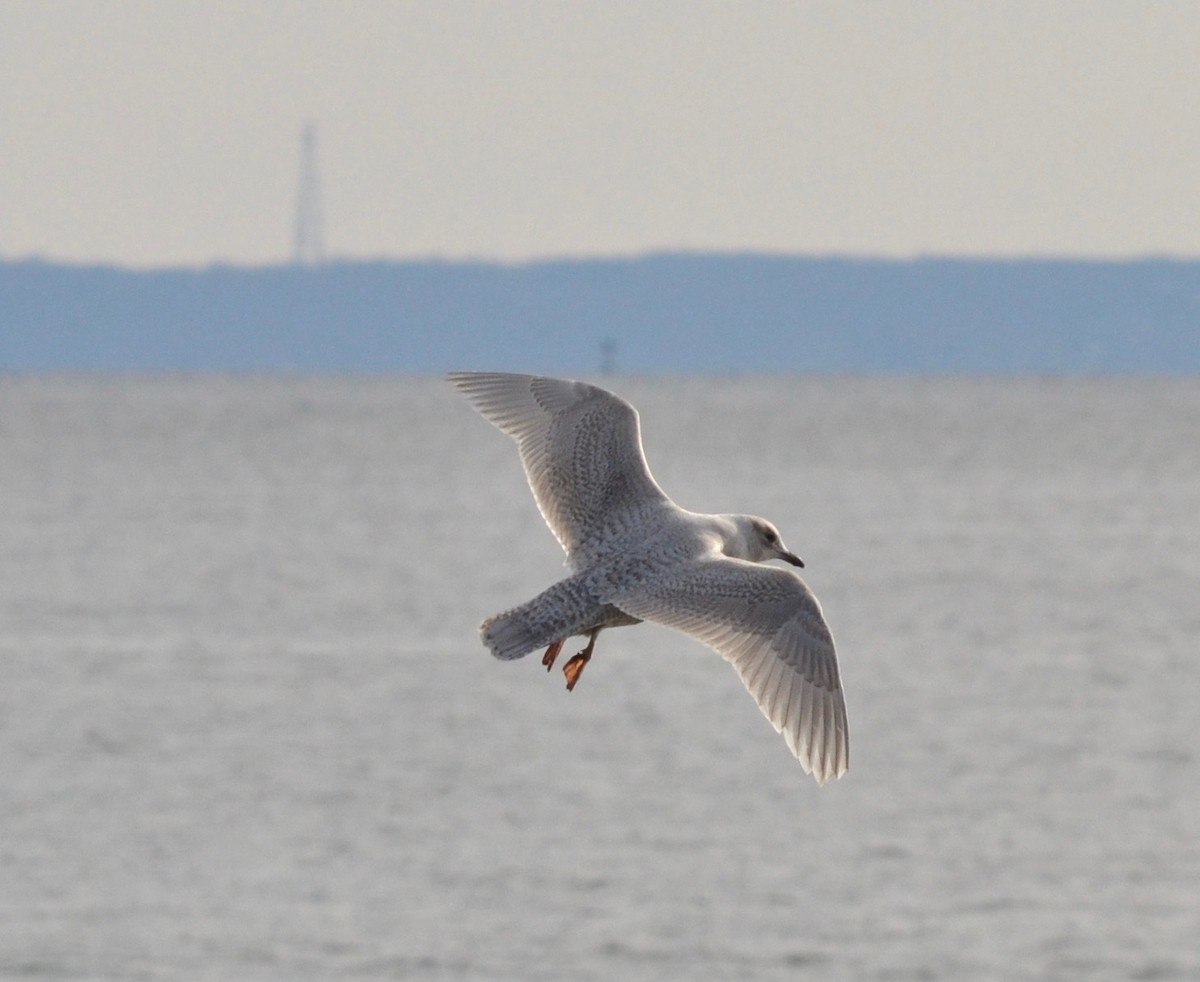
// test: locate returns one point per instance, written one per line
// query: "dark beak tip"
(792, 558)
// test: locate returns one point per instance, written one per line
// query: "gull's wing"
(581, 447)
(767, 623)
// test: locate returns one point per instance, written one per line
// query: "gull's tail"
(569, 607)
(511, 635)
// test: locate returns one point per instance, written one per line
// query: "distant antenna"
(608, 356)
(310, 233)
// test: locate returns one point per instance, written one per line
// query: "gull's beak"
(791, 557)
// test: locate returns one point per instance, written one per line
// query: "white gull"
(634, 555)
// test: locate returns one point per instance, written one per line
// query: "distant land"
(677, 313)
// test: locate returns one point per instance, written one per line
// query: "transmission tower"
(608, 356)
(310, 232)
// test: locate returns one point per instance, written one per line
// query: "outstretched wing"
(767, 623)
(581, 447)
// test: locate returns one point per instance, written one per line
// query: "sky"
(151, 133)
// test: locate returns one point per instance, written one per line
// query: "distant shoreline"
(663, 312)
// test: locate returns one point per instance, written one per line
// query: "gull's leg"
(574, 668)
(552, 653)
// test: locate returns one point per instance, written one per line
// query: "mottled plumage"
(634, 555)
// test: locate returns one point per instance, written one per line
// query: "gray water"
(247, 729)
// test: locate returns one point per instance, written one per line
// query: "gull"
(634, 555)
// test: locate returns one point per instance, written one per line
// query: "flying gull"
(634, 555)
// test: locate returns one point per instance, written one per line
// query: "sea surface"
(248, 730)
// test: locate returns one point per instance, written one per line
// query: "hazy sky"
(164, 132)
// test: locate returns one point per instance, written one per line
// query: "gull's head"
(758, 540)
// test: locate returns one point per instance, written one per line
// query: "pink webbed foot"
(574, 668)
(552, 653)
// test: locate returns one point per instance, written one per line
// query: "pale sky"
(166, 132)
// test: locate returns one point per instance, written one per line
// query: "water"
(247, 729)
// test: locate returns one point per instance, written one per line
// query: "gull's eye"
(770, 536)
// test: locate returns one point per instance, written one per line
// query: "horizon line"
(573, 258)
